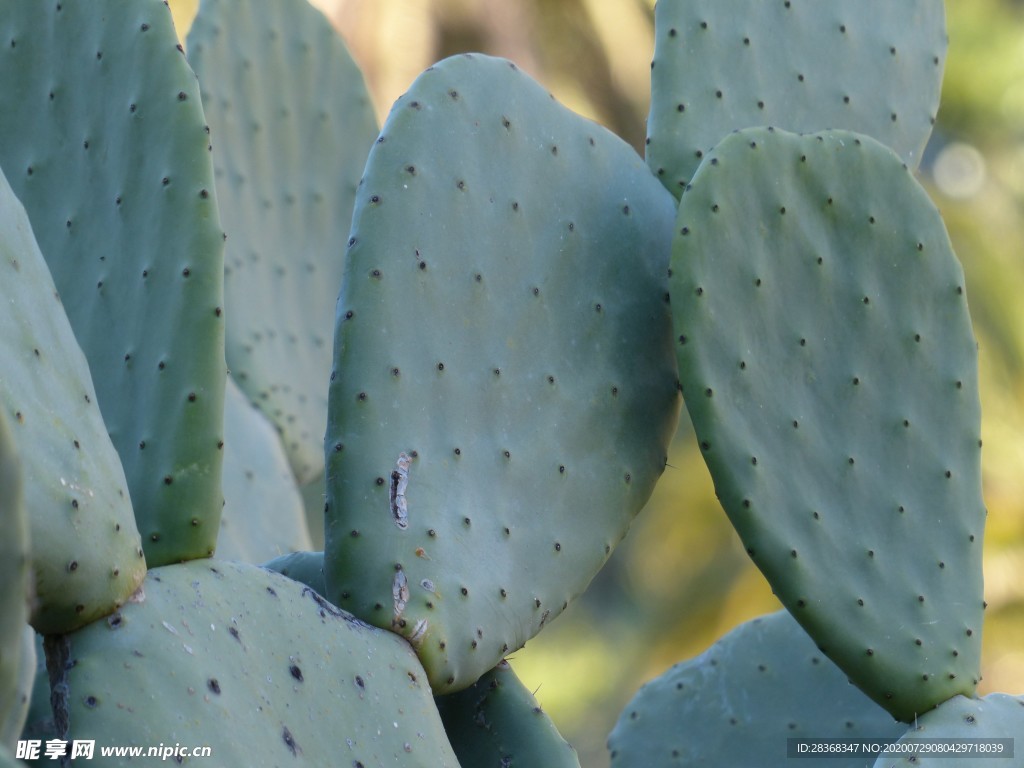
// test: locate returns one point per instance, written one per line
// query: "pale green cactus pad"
(304, 567)
(39, 721)
(504, 389)
(256, 666)
(102, 137)
(86, 554)
(292, 124)
(994, 723)
(736, 704)
(498, 722)
(872, 66)
(14, 707)
(830, 369)
(15, 576)
(264, 515)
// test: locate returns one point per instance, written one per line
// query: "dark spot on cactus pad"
(182, 96)
(289, 740)
(213, 685)
(168, 479)
(296, 672)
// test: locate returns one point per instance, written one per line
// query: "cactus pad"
(292, 124)
(15, 561)
(873, 66)
(304, 567)
(103, 139)
(996, 716)
(86, 553)
(737, 703)
(193, 663)
(504, 388)
(264, 515)
(498, 722)
(830, 369)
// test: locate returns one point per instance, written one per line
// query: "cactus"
(479, 476)
(304, 567)
(873, 66)
(736, 703)
(996, 716)
(39, 722)
(497, 722)
(503, 385)
(15, 559)
(264, 515)
(319, 688)
(86, 553)
(837, 409)
(14, 708)
(292, 124)
(103, 139)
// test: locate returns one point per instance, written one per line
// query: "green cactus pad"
(195, 663)
(304, 567)
(39, 723)
(85, 550)
(830, 369)
(292, 124)
(873, 66)
(17, 700)
(102, 136)
(997, 718)
(505, 387)
(498, 722)
(737, 703)
(15, 557)
(264, 515)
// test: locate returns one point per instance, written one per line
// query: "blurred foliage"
(680, 579)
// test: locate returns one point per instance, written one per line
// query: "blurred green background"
(681, 579)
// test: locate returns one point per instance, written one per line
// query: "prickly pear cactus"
(737, 703)
(192, 663)
(304, 567)
(264, 515)
(85, 550)
(103, 138)
(997, 719)
(39, 722)
(830, 369)
(14, 709)
(497, 723)
(292, 124)
(504, 387)
(15, 560)
(874, 66)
